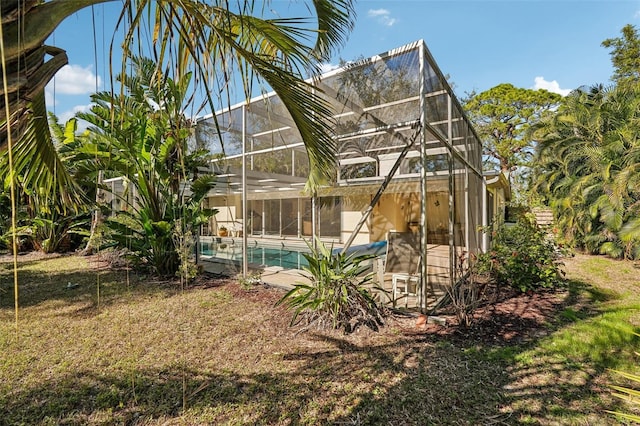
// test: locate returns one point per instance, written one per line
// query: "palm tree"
(215, 39)
(589, 169)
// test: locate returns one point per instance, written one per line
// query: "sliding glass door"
(289, 215)
(292, 217)
(271, 217)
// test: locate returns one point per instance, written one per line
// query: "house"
(408, 161)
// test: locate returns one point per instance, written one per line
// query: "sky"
(550, 44)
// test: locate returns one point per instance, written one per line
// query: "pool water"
(264, 256)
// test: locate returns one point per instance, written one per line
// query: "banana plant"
(147, 148)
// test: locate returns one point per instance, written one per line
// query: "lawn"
(95, 346)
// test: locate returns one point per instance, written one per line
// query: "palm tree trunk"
(25, 27)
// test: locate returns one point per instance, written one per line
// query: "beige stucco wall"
(229, 210)
(394, 211)
(352, 208)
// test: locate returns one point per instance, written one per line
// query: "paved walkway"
(271, 275)
(285, 279)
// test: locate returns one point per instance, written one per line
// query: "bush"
(336, 297)
(468, 292)
(523, 256)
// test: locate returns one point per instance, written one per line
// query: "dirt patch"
(30, 256)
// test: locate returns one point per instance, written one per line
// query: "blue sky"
(552, 44)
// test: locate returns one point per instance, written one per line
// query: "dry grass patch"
(215, 353)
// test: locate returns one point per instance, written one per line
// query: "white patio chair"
(403, 263)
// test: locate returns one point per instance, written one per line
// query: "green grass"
(147, 352)
(571, 368)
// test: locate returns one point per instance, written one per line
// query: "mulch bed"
(514, 318)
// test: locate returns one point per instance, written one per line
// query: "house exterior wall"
(352, 208)
(499, 205)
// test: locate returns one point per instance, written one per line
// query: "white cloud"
(48, 98)
(64, 116)
(74, 80)
(326, 67)
(383, 16)
(551, 86)
(378, 12)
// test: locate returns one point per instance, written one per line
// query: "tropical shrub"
(523, 256)
(57, 232)
(43, 223)
(336, 297)
(5, 221)
(157, 241)
(47, 218)
(587, 169)
(467, 295)
(142, 138)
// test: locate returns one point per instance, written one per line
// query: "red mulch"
(514, 318)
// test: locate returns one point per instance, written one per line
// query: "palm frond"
(222, 41)
(630, 231)
(36, 159)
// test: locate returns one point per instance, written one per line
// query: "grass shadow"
(525, 373)
(72, 280)
(235, 362)
(392, 383)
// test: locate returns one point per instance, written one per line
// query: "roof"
(498, 180)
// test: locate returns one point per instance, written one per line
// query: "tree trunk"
(96, 220)
(25, 27)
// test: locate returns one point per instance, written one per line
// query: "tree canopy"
(502, 116)
(588, 169)
(587, 166)
(625, 55)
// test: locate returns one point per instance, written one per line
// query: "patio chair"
(403, 263)
(235, 228)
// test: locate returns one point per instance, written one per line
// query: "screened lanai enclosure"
(408, 182)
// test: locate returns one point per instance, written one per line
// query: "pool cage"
(408, 162)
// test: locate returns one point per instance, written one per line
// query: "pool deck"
(276, 276)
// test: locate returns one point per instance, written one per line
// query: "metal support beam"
(485, 221)
(467, 210)
(424, 267)
(452, 201)
(245, 265)
(314, 220)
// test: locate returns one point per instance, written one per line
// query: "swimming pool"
(286, 258)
